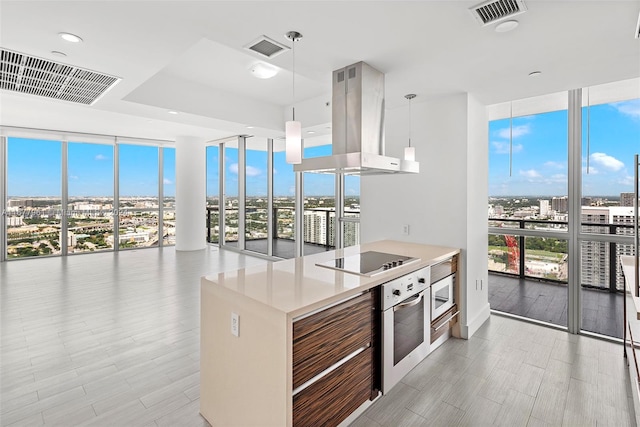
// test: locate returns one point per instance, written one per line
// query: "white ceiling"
(189, 56)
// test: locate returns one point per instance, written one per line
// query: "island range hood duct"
(358, 127)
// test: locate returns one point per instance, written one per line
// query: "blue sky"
(34, 169)
(283, 177)
(539, 163)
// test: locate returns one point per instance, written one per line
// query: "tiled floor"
(602, 311)
(511, 373)
(113, 340)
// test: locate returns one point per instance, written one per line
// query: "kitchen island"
(250, 319)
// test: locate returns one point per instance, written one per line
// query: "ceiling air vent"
(266, 47)
(494, 11)
(36, 76)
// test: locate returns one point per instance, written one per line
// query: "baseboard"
(467, 331)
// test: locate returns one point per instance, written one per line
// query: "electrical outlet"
(235, 324)
(405, 229)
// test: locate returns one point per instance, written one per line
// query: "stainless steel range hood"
(358, 127)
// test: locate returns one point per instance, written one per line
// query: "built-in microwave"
(442, 298)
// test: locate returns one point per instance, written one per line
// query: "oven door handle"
(411, 303)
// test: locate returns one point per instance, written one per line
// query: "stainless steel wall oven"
(406, 325)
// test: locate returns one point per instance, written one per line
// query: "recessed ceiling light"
(535, 73)
(58, 53)
(505, 26)
(263, 71)
(172, 112)
(70, 37)
(249, 127)
(310, 132)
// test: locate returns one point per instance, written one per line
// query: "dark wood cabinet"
(336, 348)
(328, 401)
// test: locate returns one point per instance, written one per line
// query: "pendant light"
(410, 152)
(293, 128)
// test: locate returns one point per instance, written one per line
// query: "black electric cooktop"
(368, 263)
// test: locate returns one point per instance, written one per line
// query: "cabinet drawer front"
(333, 398)
(438, 327)
(444, 269)
(325, 338)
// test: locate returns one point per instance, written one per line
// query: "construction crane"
(514, 253)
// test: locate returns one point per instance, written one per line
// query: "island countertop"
(298, 286)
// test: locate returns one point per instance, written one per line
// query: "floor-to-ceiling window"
(610, 139)
(527, 246)
(168, 196)
(34, 197)
(528, 209)
(90, 210)
(351, 222)
(256, 195)
(213, 190)
(139, 204)
(70, 193)
(319, 213)
(284, 203)
(231, 193)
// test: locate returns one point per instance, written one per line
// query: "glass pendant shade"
(410, 153)
(293, 142)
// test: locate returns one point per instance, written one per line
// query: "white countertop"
(297, 286)
(629, 269)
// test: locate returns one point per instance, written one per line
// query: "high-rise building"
(626, 199)
(316, 227)
(560, 204)
(545, 207)
(595, 265)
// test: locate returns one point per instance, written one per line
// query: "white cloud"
(251, 171)
(554, 165)
(101, 157)
(531, 174)
(629, 108)
(558, 177)
(516, 131)
(73, 177)
(607, 162)
(501, 147)
(626, 180)
(592, 170)
(167, 181)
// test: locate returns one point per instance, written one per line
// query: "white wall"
(190, 194)
(445, 204)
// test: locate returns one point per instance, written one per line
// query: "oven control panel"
(403, 287)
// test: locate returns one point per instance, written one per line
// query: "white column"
(191, 203)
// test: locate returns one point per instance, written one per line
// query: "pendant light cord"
(410, 121)
(293, 86)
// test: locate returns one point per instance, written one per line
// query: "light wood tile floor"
(113, 340)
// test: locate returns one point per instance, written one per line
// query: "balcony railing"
(318, 227)
(599, 264)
